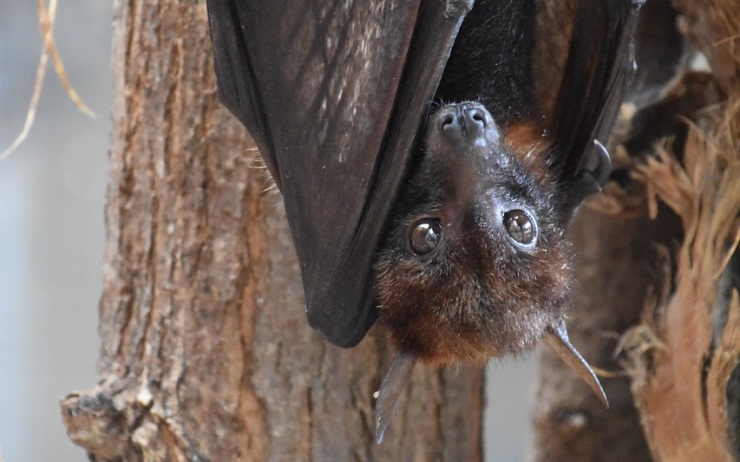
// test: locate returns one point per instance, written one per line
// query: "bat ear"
(592, 176)
(390, 390)
(557, 338)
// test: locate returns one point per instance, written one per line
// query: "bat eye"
(520, 226)
(425, 236)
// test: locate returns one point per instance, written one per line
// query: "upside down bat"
(446, 221)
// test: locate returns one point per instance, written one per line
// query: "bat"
(426, 183)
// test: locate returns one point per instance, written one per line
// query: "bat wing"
(333, 93)
(599, 64)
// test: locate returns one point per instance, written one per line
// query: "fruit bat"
(426, 183)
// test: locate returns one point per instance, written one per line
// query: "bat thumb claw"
(592, 177)
(557, 338)
(603, 167)
(390, 390)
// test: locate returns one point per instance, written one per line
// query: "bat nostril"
(446, 121)
(477, 117)
(475, 121)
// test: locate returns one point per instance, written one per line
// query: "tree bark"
(674, 306)
(206, 354)
(685, 378)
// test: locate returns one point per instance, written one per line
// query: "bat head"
(476, 263)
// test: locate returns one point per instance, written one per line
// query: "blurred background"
(52, 193)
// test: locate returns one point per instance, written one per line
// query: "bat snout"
(465, 124)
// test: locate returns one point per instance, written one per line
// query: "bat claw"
(589, 180)
(390, 390)
(557, 338)
(603, 165)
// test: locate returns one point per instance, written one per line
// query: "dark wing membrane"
(599, 64)
(333, 96)
(491, 61)
(238, 87)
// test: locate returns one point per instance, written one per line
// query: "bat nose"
(462, 124)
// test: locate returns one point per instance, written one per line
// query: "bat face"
(475, 264)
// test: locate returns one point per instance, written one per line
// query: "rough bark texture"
(713, 26)
(675, 306)
(206, 354)
(693, 354)
(685, 372)
(684, 352)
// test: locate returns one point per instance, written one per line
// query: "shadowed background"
(52, 192)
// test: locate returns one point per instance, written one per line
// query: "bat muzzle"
(466, 124)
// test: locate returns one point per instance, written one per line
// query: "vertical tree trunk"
(675, 306)
(206, 354)
(685, 379)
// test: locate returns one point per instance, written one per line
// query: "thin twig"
(46, 24)
(51, 49)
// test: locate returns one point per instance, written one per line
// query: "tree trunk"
(686, 376)
(670, 308)
(206, 354)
